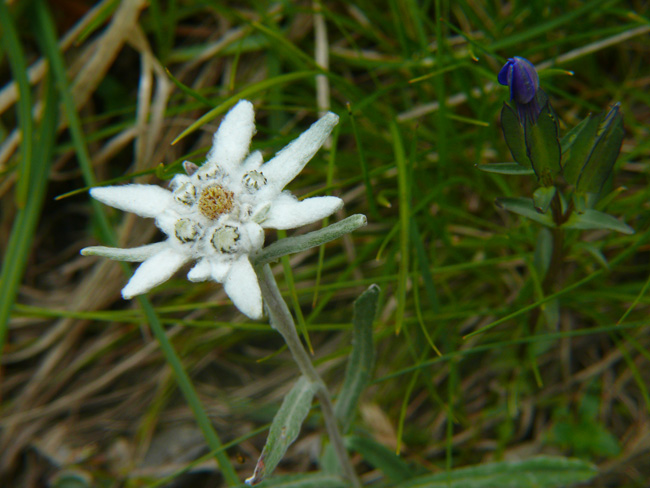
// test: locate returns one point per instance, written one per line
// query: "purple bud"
(520, 75)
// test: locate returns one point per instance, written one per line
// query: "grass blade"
(18, 65)
(47, 39)
(22, 232)
(246, 92)
(404, 215)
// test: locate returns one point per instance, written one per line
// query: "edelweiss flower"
(217, 213)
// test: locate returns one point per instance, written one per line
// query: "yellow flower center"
(215, 201)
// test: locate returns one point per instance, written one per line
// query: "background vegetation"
(86, 389)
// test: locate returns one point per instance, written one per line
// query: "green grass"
(475, 373)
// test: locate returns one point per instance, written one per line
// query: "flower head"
(520, 75)
(216, 213)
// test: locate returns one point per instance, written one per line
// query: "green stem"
(557, 256)
(282, 321)
(554, 267)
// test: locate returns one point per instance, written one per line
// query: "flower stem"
(282, 321)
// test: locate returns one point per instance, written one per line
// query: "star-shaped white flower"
(216, 214)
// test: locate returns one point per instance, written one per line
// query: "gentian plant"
(215, 216)
(570, 170)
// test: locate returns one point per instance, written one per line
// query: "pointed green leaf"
(312, 480)
(506, 169)
(246, 92)
(576, 147)
(550, 72)
(543, 197)
(20, 240)
(359, 369)
(551, 311)
(595, 252)
(328, 461)
(71, 478)
(16, 57)
(593, 219)
(513, 133)
(285, 428)
(300, 243)
(580, 202)
(380, 457)
(540, 472)
(526, 208)
(604, 153)
(543, 146)
(543, 251)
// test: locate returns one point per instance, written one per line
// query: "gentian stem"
(282, 321)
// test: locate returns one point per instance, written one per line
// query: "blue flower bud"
(520, 75)
(526, 97)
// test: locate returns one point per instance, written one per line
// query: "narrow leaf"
(604, 153)
(246, 92)
(16, 57)
(576, 147)
(370, 195)
(403, 174)
(551, 311)
(543, 251)
(188, 90)
(593, 219)
(312, 480)
(24, 226)
(580, 202)
(542, 198)
(513, 132)
(506, 169)
(540, 472)
(359, 369)
(543, 146)
(380, 457)
(316, 238)
(102, 13)
(526, 208)
(285, 428)
(597, 254)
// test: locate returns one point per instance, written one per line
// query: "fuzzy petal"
(179, 180)
(287, 212)
(243, 288)
(290, 161)
(143, 200)
(252, 162)
(252, 236)
(200, 272)
(219, 269)
(154, 271)
(133, 255)
(231, 142)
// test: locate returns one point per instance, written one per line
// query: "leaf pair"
(297, 404)
(585, 156)
(589, 219)
(534, 142)
(590, 150)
